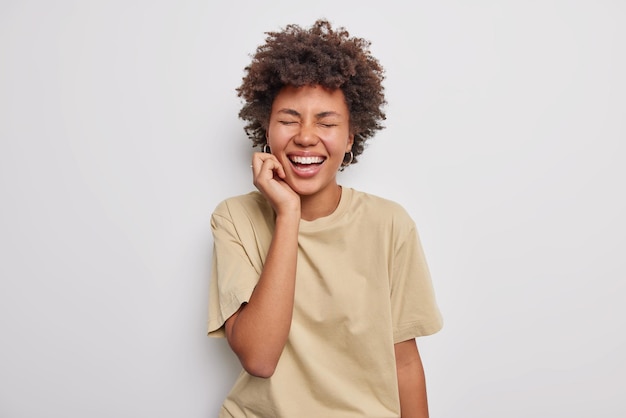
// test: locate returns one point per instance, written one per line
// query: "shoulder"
(385, 210)
(247, 206)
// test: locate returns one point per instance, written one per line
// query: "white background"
(505, 141)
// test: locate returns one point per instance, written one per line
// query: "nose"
(307, 136)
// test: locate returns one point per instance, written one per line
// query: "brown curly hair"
(317, 56)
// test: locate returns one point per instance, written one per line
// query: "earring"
(266, 149)
(347, 163)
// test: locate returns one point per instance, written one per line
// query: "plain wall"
(119, 135)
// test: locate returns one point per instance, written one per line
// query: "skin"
(305, 122)
(411, 380)
(310, 122)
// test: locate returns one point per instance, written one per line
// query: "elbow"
(257, 367)
(258, 361)
(257, 364)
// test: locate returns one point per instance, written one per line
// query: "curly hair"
(315, 56)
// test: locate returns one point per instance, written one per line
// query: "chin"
(310, 189)
(305, 191)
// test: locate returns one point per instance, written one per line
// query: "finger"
(280, 171)
(270, 167)
(260, 157)
(257, 162)
(264, 169)
(264, 161)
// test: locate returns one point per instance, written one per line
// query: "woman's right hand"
(258, 331)
(268, 177)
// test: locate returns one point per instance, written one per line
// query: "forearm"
(259, 330)
(411, 381)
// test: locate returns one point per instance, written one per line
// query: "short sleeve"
(414, 308)
(233, 274)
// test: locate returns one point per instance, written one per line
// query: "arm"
(411, 381)
(258, 331)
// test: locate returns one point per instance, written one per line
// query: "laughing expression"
(309, 133)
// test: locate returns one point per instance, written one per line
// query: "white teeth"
(307, 160)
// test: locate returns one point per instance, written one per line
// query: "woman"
(319, 289)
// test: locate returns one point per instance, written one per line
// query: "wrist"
(288, 216)
(289, 210)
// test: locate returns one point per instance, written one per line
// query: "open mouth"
(306, 162)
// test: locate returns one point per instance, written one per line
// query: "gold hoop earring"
(266, 149)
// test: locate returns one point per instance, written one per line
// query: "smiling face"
(309, 133)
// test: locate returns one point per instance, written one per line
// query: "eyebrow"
(320, 115)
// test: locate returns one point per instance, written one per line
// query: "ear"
(350, 142)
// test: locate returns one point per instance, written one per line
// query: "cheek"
(278, 142)
(343, 142)
(337, 146)
(274, 135)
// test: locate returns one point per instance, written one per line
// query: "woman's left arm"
(411, 380)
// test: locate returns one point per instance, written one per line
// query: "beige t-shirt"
(362, 284)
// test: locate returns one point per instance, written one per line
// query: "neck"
(319, 205)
